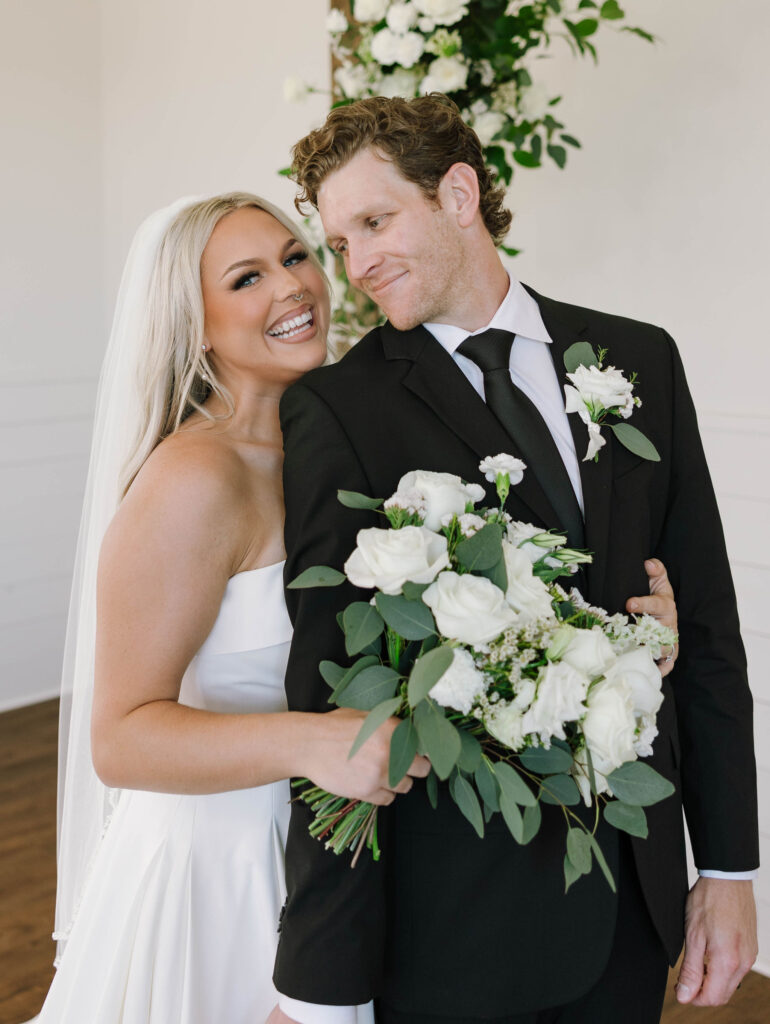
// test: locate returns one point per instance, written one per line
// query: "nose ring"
(298, 296)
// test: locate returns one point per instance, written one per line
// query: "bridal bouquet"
(517, 691)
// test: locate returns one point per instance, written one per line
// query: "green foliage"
(410, 619)
(626, 817)
(362, 624)
(376, 717)
(352, 499)
(580, 354)
(317, 576)
(465, 797)
(638, 784)
(369, 687)
(426, 672)
(635, 441)
(403, 747)
(544, 762)
(483, 550)
(438, 737)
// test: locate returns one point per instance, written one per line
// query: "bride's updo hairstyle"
(174, 377)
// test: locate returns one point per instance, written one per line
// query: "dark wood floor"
(28, 880)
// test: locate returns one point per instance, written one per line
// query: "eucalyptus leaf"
(602, 862)
(626, 817)
(352, 499)
(431, 788)
(512, 786)
(512, 818)
(571, 874)
(532, 818)
(545, 761)
(317, 576)
(498, 574)
(376, 717)
(465, 797)
(579, 850)
(579, 354)
(410, 619)
(332, 673)
(488, 786)
(403, 747)
(558, 154)
(639, 784)
(483, 550)
(355, 668)
(414, 591)
(635, 441)
(362, 625)
(427, 671)
(470, 754)
(560, 789)
(438, 737)
(369, 688)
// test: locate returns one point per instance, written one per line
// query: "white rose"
(609, 727)
(400, 83)
(442, 12)
(409, 48)
(401, 17)
(294, 89)
(601, 389)
(386, 559)
(487, 125)
(468, 608)
(533, 102)
(336, 22)
(445, 74)
(504, 722)
(370, 10)
(461, 685)
(647, 730)
(494, 464)
(589, 651)
(638, 669)
(352, 79)
(442, 493)
(561, 692)
(526, 594)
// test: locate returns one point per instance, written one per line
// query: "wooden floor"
(27, 881)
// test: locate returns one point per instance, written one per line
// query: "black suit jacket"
(447, 923)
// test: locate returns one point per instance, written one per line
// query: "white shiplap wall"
(738, 450)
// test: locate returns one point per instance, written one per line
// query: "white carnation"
(401, 17)
(386, 559)
(445, 74)
(442, 494)
(442, 12)
(461, 685)
(370, 10)
(492, 465)
(336, 22)
(505, 722)
(468, 608)
(526, 594)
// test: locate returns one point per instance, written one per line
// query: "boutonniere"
(598, 392)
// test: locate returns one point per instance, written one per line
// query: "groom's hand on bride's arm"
(720, 940)
(365, 775)
(661, 604)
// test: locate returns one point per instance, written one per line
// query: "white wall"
(50, 320)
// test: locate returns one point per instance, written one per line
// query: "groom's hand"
(720, 940)
(660, 603)
(365, 775)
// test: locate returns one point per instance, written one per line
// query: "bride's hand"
(277, 1016)
(365, 775)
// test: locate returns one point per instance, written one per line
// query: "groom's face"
(403, 250)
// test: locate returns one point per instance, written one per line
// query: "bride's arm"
(177, 538)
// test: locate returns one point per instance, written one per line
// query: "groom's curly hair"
(423, 137)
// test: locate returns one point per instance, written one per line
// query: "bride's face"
(252, 272)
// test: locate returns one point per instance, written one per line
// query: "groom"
(447, 926)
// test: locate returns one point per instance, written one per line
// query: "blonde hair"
(174, 376)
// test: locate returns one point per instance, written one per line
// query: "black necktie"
(491, 352)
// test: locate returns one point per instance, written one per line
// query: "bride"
(171, 852)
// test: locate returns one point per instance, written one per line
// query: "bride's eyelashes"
(251, 276)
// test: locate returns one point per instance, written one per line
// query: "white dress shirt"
(533, 371)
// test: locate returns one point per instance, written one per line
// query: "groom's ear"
(459, 193)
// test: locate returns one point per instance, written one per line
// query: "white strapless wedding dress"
(178, 921)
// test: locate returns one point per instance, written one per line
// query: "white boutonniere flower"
(598, 392)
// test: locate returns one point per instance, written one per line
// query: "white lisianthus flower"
(401, 17)
(294, 89)
(445, 74)
(609, 728)
(601, 389)
(533, 102)
(336, 22)
(561, 692)
(400, 83)
(442, 12)
(442, 494)
(504, 722)
(386, 559)
(352, 80)
(461, 685)
(494, 464)
(487, 125)
(533, 540)
(638, 669)
(370, 10)
(468, 608)
(526, 594)
(589, 651)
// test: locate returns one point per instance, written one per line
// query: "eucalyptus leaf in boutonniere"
(598, 392)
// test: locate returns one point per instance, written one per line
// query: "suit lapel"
(565, 326)
(437, 381)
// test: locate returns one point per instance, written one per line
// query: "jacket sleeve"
(713, 701)
(332, 927)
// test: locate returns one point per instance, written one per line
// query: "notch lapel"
(565, 328)
(435, 379)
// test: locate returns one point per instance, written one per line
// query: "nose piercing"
(298, 297)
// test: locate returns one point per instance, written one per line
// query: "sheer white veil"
(85, 803)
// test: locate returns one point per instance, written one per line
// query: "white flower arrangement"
(517, 691)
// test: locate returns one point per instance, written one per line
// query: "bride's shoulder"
(191, 466)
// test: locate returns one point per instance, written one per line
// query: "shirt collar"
(518, 313)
